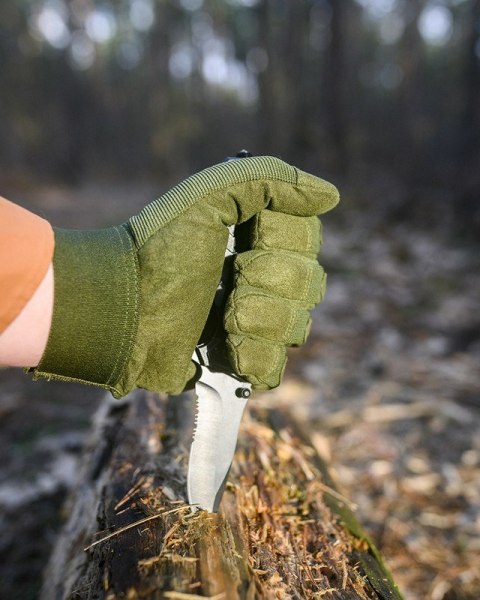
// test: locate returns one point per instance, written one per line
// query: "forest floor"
(388, 385)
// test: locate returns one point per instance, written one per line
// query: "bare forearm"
(22, 343)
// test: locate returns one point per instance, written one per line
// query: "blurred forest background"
(383, 90)
(105, 104)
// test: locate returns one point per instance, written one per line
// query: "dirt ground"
(388, 383)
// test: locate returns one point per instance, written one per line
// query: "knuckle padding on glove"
(286, 232)
(286, 274)
(256, 313)
(261, 362)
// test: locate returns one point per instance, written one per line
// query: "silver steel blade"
(219, 412)
(233, 408)
(201, 466)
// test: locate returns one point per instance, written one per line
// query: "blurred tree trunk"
(333, 85)
(468, 185)
(294, 89)
(271, 81)
(410, 56)
(297, 119)
(161, 111)
(266, 103)
(283, 115)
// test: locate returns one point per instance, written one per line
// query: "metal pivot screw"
(242, 392)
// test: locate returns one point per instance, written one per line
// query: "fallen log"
(283, 531)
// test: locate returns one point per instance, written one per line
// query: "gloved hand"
(131, 301)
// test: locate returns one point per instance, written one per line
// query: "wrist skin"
(23, 342)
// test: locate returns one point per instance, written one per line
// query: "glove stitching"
(119, 352)
(278, 359)
(309, 238)
(308, 284)
(256, 236)
(127, 244)
(291, 325)
(250, 260)
(258, 293)
(120, 347)
(234, 314)
(323, 285)
(308, 279)
(235, 358)
(235, 318)
(277, 362)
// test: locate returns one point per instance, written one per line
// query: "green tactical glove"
(131, 301)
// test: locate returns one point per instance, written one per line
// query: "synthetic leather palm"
(131, 301)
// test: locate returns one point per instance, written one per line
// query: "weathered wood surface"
(282, 532)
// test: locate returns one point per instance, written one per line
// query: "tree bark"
(283, 530)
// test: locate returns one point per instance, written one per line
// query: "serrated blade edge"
(201, 485)
(219, 412)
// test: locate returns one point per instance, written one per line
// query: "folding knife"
(221, 399)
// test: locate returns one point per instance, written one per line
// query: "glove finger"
(286, 274)
(260, 362)
(299, 194)
(253, 312)
(277, 231)
(237, 190)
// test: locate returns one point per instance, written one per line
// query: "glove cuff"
(95, 313)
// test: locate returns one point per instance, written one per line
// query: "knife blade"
(219, 411)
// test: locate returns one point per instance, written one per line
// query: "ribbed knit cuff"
(95, 308)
